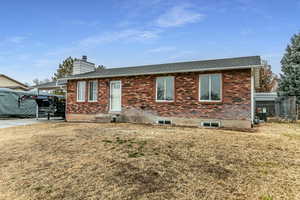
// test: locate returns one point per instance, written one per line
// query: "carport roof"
(265, 96)
(50, 85)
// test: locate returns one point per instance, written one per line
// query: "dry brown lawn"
(126, 161)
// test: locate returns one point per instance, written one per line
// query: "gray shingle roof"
(204, 65)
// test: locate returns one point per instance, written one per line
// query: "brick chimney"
(82, 66)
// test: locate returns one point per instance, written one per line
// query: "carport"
(51, 86)
(45, 103)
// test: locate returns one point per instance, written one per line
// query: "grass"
(134, 148)
(267, 197)
(125, 161)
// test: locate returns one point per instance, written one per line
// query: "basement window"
(164, 122)
(211, 124)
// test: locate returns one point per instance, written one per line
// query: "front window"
(93, 90)
(210, 87)
(81, 91)
(165, 88)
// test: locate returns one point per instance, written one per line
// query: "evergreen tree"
(99, 67)
(64, 69)
(289, 84)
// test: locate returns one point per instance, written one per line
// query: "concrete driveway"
(5, 123)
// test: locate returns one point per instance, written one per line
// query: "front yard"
(126, 161)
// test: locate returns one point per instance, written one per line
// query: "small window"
(206, 124)
(211, 124)
(93, 91)
(81, 85)
(164, 122)
(165, 88)
(214, 124)
(210, 87)
(161, 122)
(167, 122)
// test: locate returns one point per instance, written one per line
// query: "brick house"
(198, 93)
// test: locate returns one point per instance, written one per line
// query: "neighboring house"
(199, 93)
(9, 83)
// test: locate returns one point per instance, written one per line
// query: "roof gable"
(12, 83)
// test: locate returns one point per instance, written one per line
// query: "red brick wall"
(138, 92)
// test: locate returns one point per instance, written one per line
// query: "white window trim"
(165, 88)
(90, 91)
(84, 91)
(221, 88)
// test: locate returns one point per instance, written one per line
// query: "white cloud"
(125, 35)
(179, 16)
(83, 23)
(162, 49)
(23, 57)
(183, 55)
(16, 39)
(45, 63)
(247, 32)
(62, 51)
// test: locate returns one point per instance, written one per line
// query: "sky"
(35, 35)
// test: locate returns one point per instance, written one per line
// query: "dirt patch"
(125, 161)
(143, 182)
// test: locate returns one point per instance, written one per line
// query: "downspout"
(252, 96)
(66, 100)
(37, 107)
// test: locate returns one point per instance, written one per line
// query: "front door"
(115, 96)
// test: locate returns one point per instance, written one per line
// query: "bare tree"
(268, 80)
(36, 81)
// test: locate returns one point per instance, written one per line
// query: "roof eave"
(53, 87)
(165, 72)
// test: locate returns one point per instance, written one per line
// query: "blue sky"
(37, 35)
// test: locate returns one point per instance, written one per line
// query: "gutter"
(165, 72)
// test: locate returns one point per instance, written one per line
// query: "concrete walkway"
(5, 123)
